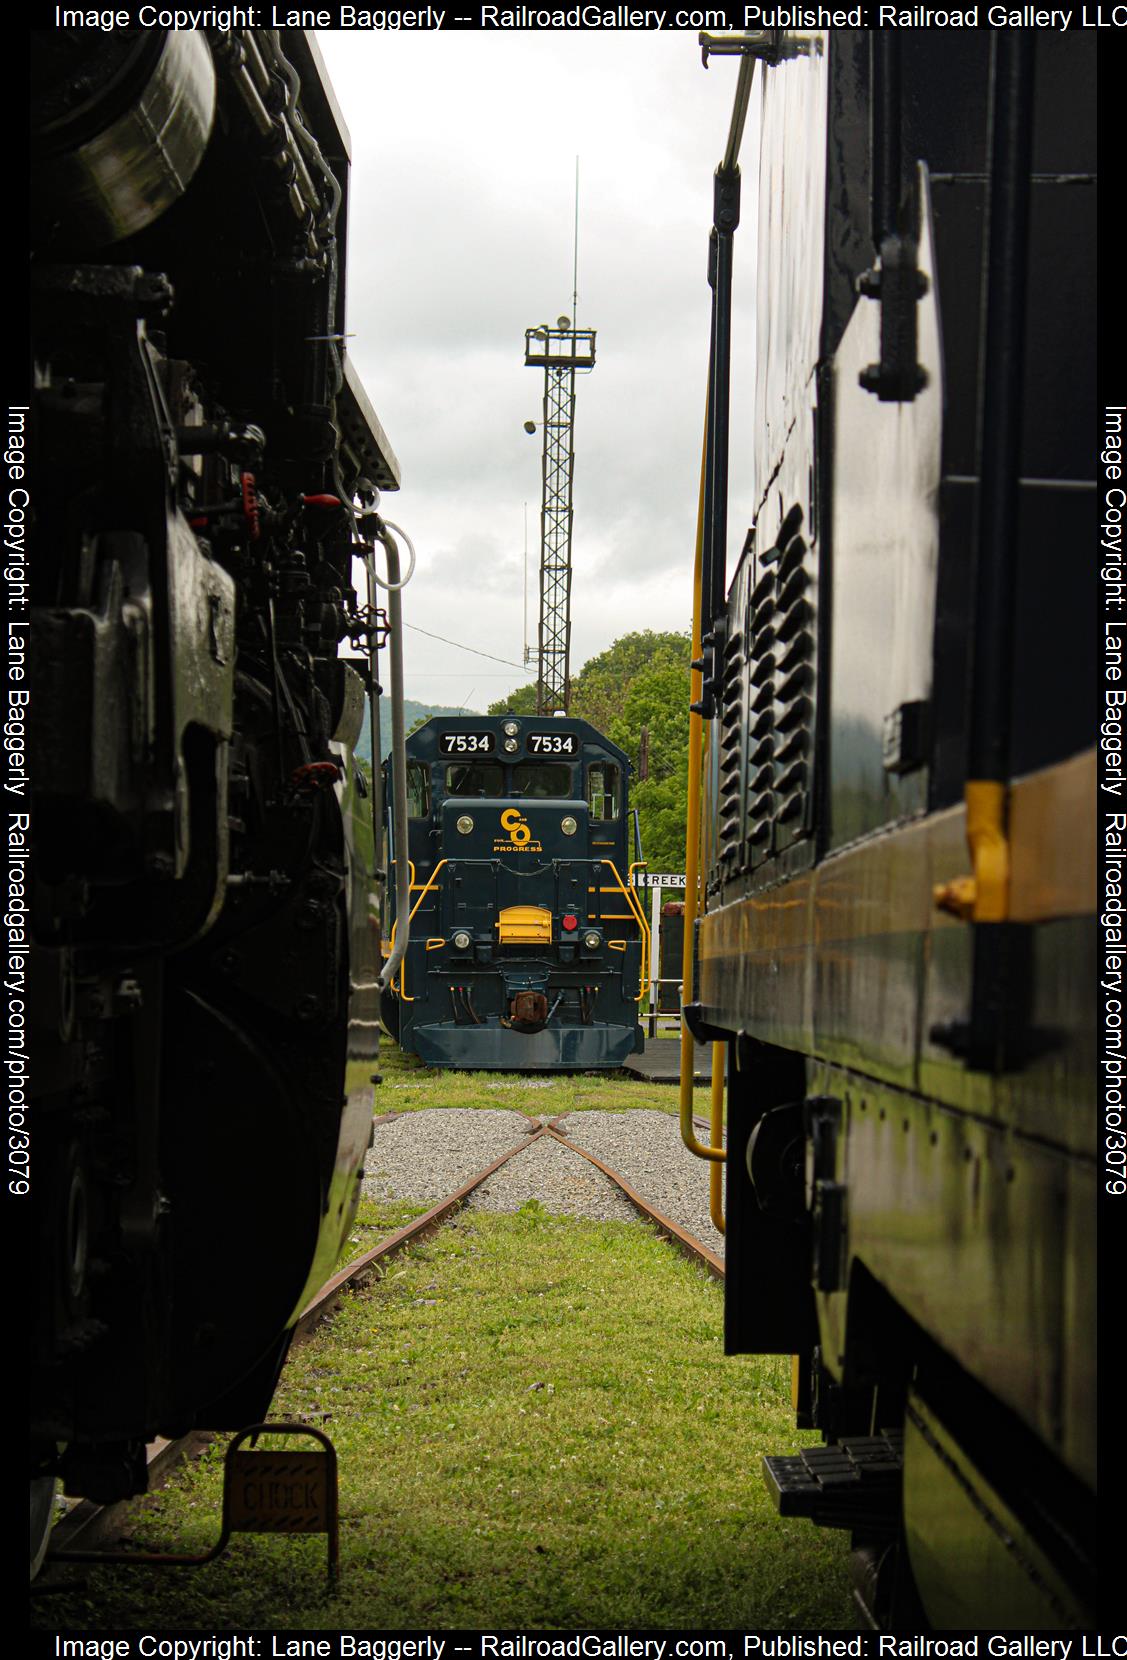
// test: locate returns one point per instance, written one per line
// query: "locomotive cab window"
(603, 790)
(541, 780)
(476, 778)
(418, 790)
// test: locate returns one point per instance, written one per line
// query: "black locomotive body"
(529, 949)
(196, 441)
(898, 857)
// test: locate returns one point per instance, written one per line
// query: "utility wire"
(458, 646)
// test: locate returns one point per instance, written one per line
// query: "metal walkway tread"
(853, 1483)
(661, 1062)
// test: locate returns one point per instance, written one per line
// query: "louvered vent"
(731, 750)
(794, 684)
(761, 725)
(781, 646)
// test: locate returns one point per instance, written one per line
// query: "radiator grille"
(781, 653)
(731, 751)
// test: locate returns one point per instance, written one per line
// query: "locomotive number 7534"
(466, 743)
(552, 743)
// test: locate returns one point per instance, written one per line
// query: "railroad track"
(80, 1534)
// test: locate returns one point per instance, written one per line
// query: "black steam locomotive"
(897, 858)
(529, 949)
(197, 442)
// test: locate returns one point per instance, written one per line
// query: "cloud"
(460, 238)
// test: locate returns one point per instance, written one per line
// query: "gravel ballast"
(646, 1149)
(430, 1154)
(564, 1185)
(427, 1155)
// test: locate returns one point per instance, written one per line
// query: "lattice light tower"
(561, 352)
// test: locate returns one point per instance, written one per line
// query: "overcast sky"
(460, 238)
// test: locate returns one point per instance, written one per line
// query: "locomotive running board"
(854, 1483)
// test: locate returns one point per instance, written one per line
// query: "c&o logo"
(517, 828)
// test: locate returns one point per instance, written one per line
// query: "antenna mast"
(526, 655)
(560, 352)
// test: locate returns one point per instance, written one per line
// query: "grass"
(409, 1086)
(375, 1219)
(536, 1430)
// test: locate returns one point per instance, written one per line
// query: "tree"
(657, 698)
(601, 686)
(642, 680)
(521, 701)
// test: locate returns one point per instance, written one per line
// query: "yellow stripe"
(1053, 841)
(883, 885)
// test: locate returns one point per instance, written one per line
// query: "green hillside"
(412, 713)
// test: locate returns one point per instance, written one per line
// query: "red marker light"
(569, 923)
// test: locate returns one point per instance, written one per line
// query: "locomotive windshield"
(476, 778)
(542, 780)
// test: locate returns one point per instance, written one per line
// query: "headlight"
(592, 941)
(510, 729)
(511, 746)
(568, 826)
(465, 824)
(462, 942)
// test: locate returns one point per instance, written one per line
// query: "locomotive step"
(854, 1483)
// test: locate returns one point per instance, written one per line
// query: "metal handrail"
(427, 886)
(627, 892)
(639, 916)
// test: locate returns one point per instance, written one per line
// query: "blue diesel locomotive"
(528, 947)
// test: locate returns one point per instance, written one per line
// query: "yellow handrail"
(410, 872)
(631, 899)
(692, 847)
(432, 878)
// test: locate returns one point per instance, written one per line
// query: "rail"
(88, 1523)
